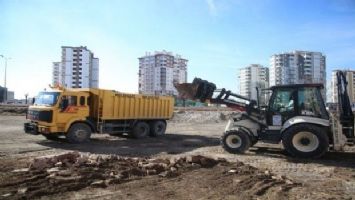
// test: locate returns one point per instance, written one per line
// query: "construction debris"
(73, 171)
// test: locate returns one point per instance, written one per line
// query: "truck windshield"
(47, 98)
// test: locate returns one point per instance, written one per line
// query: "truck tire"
(157, 128)
(140, 130)
(78, 133)
(305, 141)
(235, 141)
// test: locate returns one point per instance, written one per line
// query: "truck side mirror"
(33, 100)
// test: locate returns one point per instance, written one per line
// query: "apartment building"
(159, 71)
(253, 76)
(350, 77)
(78, 68)
(297, 67)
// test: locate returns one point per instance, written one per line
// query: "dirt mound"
(201, 116)
(12, 110)
(73, 171)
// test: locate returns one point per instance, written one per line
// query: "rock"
(22, 190)
(267, 172)
(70, 157)
(64, 173)
(6, 195)
(99, 183)
(151, 172)
(232, 171)
(21, 170)
(41, 163)
(288, 182)
(208, 162)
(168, 174)
(58, 164)
(236, 181)
(173, 169)
(52, 170)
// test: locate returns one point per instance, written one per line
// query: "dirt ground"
(264, 172)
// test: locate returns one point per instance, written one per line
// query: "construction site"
(188, 162)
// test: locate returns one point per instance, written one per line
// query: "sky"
(216, 36)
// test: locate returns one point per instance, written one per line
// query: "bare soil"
(264, 172)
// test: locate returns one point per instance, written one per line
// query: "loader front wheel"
(78, 133)
(235, 141)
(305, 141)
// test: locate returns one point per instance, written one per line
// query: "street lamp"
(6, 59)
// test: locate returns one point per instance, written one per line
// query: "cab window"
(283, 101)
(82, 101)
(68, 101)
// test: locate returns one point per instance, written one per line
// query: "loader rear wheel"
(305, 141)
(157, 128)
(79, 133)
(235, 141)
(140, 130)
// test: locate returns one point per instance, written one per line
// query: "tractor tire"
(305, 141)
(236, 142)
(157, 128)
(140, 130)
(79, 133)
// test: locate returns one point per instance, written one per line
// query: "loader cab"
(288, 101)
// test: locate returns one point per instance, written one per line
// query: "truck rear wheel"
(157, 128)
(305, 141)
(79, 133)
(140, 130)
(235, 141)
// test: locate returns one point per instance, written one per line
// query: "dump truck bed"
(122, 106)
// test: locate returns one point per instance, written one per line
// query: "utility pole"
(6, 59)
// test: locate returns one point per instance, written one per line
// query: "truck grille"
(45, 116)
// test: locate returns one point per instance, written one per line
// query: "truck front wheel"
(140, 130)
(79, 133)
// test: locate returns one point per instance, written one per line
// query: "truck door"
(71, 108)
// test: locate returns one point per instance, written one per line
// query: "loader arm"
(204, 91)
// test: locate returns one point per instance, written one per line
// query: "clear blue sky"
(216, 36)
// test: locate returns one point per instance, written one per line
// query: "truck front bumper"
(31, 128)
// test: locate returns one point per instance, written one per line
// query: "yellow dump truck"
(77, 113)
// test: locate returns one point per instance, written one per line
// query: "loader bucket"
(199, 89)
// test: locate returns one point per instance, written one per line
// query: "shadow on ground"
(170, 144)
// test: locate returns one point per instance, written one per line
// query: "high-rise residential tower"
(253, 76)
(159, 71)
(77, 69)
(297, 67)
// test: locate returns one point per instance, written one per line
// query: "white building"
(297, 67)
(159, 71)
(253, 76)
(350, 77)
(77, 69)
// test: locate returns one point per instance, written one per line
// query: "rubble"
(201, 116)
(59, 173)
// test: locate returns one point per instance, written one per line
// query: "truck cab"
(53, 112)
